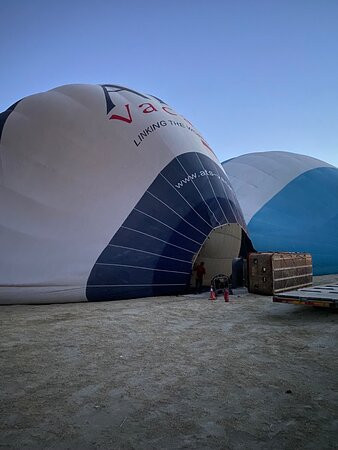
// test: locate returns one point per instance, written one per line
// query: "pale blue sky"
(252, 75)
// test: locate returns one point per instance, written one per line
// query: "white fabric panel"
(257, 177)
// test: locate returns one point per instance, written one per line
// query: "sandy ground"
(169, 373)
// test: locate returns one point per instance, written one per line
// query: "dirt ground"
(169, 373)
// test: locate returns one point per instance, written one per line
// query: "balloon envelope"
(106, 193)
(290, 203)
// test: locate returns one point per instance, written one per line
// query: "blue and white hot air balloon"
(107, 193)
(290, 203)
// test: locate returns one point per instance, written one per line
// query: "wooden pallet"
(322, 296)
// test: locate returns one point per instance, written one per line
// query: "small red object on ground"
(226, 295)
(212, 294)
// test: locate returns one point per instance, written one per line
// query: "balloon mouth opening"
(223, 244)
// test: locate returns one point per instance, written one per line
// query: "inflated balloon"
(106, 193)
(290, 203)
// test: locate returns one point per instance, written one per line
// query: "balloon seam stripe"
(158, 239)
(209, 224)
(225, 217)
(168, 226)
(192, 226)
(133, 285)
(139, 267)
(149, 253)
(197, 190)
(235, 215)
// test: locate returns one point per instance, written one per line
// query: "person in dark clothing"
(200, 272)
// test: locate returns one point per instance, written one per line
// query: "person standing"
(200, 272)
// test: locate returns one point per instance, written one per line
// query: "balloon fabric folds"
(106, 194)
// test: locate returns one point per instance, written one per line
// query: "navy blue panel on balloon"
(156, 208)
(99, 293)
(116, 254)
(152, 253)
(4, 116)
(147, 243)
(135, 275)
(159, 230)
(176, 201)
(183, 181)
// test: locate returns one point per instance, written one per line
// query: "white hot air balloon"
(107, 193)
(290, 203)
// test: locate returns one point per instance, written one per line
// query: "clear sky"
(252, 75)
